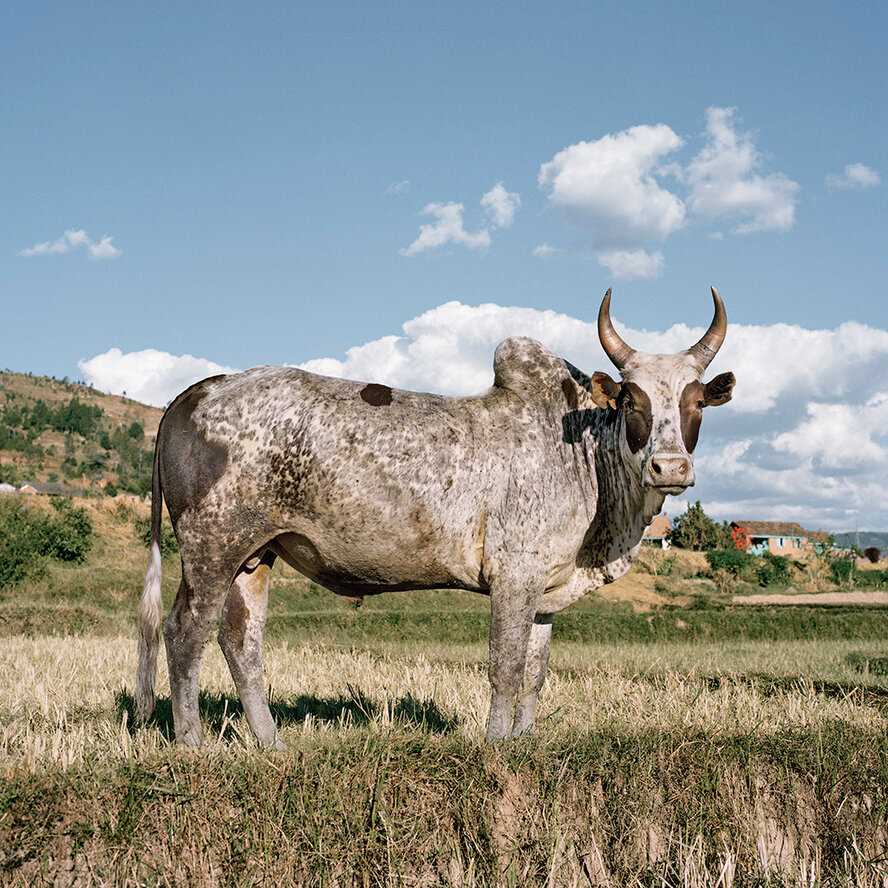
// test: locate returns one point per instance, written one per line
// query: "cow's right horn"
(614, 347)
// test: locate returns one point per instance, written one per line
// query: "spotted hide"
(533, 493)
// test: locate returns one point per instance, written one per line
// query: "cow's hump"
(522, 365)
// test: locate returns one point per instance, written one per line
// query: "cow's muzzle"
(669, 472)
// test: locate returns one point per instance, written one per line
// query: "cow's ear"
(604, 390)
(719, 390)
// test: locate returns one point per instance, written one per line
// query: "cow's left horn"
(705, 350)
(614, 347)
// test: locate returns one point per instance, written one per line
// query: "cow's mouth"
(669, 489)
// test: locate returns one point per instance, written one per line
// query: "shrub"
(841, 571)
(168, 543)
(28, 538)
(733, 561)
(694, 529)
(773, 570)
(872, 554)
(20, 543)
(68, 537)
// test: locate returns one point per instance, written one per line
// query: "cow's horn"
(614, 347)
(705, 350)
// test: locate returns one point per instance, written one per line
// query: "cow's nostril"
(655, 467)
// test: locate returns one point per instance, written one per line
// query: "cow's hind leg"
(534, 673)
(240, 636)
(194, 615)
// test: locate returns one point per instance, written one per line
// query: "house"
(776, 537)
(48, 488)
(657, 532)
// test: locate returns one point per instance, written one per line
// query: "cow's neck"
(624, 506)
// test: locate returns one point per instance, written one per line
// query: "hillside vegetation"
(56, 431)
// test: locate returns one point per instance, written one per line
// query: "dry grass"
(695, 765)
(61, 704)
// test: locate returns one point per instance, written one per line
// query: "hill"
(864, 539)
(65, 433)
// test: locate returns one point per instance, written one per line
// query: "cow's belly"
(360, 567)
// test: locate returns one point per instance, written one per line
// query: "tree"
(872, 554)
(694, 529)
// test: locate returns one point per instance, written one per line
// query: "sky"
(385, 191)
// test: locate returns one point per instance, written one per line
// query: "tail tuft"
(150, 605)
(149, 636)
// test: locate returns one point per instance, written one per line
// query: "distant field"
(682, 741)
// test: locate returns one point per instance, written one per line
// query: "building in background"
(776, 537)
(657, 532)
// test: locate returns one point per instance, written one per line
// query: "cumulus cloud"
(447, 229)
(855, 175)
(545, 251)
(500, 205)
(726, 183)
(73, 239)
(841, 435)
(627, 265)
(611, 185)
(151, 376)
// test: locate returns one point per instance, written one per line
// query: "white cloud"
(627, 265)
(73, 239)
(841, 435)
(150, 376)
(104, 249)
(545, 251)
(448, 229)
(855, 175)
(725, 181)
(611, 185)
(398, 188)
(500, 205)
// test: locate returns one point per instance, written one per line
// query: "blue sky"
(242, 162)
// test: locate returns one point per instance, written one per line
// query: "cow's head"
(660, 401)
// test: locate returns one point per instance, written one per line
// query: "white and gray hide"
(533, 493)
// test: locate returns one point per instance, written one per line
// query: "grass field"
(694, 745)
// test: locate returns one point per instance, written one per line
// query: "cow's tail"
(150, 605)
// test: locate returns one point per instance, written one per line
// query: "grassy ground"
(681, 741)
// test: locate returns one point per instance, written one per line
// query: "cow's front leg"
(535, 667)
(512, 607)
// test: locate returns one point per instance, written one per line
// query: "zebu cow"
(533, 493)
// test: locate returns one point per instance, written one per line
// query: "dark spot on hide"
(377, 395)
(636, 407)
(191, 462)
(570, 393)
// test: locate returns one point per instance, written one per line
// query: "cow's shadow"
(222, 714)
